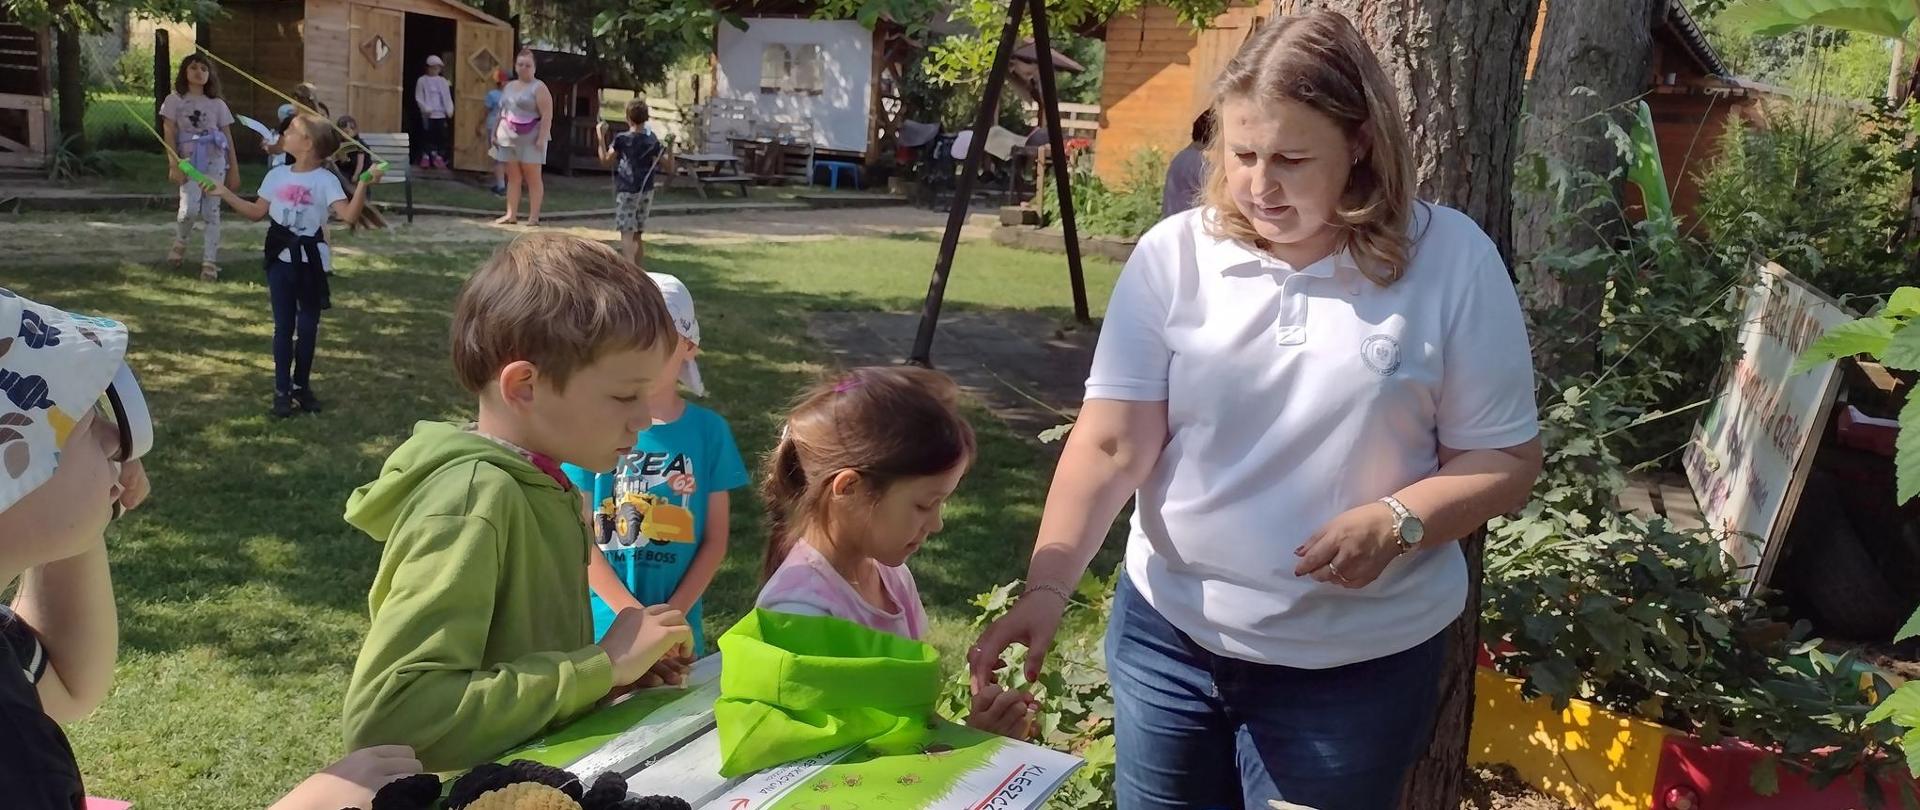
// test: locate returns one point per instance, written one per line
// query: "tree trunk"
(1605, 46)
(72, 87)
(1458, 68)
(1457, 65)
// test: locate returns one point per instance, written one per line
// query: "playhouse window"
(791, 69)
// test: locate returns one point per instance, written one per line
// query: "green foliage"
(1886, 336)
(1892, 19)
(95, 15)
(1586, 601)
(133, 71)
(1821, 192)
(1127, 211)
(1076, 699)
(963, 60)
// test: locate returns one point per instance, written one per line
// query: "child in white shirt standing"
(435, 98)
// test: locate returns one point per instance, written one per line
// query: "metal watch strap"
(1401, 514)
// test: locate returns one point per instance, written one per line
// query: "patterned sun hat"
(56, 367)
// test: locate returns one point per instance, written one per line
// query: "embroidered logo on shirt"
(1382, 354)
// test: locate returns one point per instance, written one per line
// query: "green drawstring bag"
(793, 686)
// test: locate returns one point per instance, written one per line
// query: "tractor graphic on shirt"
(638, 517)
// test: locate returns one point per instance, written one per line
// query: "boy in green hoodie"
(481, 636)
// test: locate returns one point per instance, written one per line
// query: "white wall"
(839, 114)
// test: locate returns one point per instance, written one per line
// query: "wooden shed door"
(375, 37)
(480, 50)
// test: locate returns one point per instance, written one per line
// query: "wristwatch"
(1408, 531)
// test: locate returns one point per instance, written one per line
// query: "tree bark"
(1458, 67)
(1605, 46)
(72, 85)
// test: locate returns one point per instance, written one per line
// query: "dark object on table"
(416, 792)
(493, 776)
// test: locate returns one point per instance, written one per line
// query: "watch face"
(1412, 531)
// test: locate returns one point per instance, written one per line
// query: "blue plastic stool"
(833, 168)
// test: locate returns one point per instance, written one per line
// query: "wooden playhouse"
(26, 95)
(362, 57)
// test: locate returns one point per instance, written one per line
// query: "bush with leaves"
(1820, 190)
(1584, 600)
(1126, 211)
(1076, 700)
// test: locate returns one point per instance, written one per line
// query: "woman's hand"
(1032, 621)
(1006, 712)
(1352, 549)
(352, 781)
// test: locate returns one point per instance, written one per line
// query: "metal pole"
(1057, 142)
(963, 189)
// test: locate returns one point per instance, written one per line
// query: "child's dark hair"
(212, 88)
(304, 95)
(346, 122)
(637, 111)
(326, 139)
(885, 423)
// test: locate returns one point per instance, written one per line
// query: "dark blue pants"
(295, 329)
(1199, 731)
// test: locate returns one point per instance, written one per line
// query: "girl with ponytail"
(854, 487)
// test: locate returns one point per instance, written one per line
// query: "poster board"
(1749, 455)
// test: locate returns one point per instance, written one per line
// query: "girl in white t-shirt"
(854, 488)
(299, 198)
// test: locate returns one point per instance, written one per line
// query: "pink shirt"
(808, 585)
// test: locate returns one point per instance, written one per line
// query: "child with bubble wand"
(299, 198)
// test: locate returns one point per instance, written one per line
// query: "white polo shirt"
(1293, 396)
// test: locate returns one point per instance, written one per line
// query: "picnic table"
(663, 741)
(707, 168)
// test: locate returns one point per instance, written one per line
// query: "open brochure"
(663, 741)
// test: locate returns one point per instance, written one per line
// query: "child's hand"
(175, 176)
(639, 638)
(1006, 712)
(604, 128)
(374, 173)
(352, 781)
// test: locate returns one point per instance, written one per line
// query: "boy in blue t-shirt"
(661, 516)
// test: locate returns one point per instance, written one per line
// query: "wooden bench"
(392, 148)
(707, 169)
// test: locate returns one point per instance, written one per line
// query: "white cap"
(434, 60)
(680, 305)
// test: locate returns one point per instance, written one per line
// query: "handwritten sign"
(1749, 455)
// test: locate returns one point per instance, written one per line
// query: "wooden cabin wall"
(263, 39)
(1157, 78)
(327, 52)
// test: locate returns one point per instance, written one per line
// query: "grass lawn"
(242, 592)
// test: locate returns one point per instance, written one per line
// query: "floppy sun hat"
(56, 368)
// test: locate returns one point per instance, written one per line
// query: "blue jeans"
(295, 328)
(1199, 731)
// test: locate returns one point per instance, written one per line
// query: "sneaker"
(426, 162)
(209, 271)
(499, 191)
(282, 406)
(306, 400)
(439, 162)
(178, 253)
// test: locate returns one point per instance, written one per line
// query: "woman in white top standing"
(1314, 384)
(520, 139)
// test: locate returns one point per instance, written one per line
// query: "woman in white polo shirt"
(1313, 384)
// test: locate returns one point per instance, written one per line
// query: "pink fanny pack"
(522, 124)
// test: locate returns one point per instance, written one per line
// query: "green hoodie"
(482, 637)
